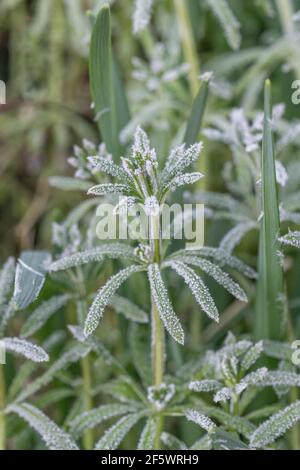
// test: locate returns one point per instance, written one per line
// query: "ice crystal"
(147, 438)
(181, 180)
(109, 167)
(179, 159)
(203, 421)
(198, 288)
(223, 395)
(251, 356)
(143, 252)
(104, 296)
(151, 206)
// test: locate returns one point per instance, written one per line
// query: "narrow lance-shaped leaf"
(128, 309)
(228, 21)
(24, 348)
(276, 426)
(218, 275)
(163, 304)
(147, 438)
(103, 83)
(42, 313)
(292, 239)
(198, 288)
(104, 296)
(115, 435)
(109, 188)
(269, 303)
(195, 120)
(69, 184)
(112, 250)
(7, 276)
(54, 437)
(91, 419)
(30, 276)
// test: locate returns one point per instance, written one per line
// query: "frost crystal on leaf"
(147, 438)
(203, 421)
(115, 435)
(198, 288)
(109, 188)
(292, 239)
(141, 15)
(160, 396)
(281, 174)
(179, 159)
(205, 385)
(223, 395)
(163, 304)
(104, 296)
(228, 21)
(54, 437)
(276, 426)
(24, 348)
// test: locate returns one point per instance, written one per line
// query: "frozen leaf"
(204, 443)
(115, 435)
(69, 357)
(228, 21)
(292, 239)
(69, 184)
(105, 295)
(235, 235)
(104, 165)
(24, 348)
(7, 277)
(161, 395)
(41, 314)
(218, 275)
(182, 180)
(160, 296)
(146, 441)
(113, 250)
(91, 419)
(198, 288)
(203, 421)
(172, 442)
(205, 385)
(281, 174)
(109, 188)
(223, 440)
(252, 356)
(223, 395)
(128, 309)
(180, 158)
(30, 276)
(141, 15)
(276, 426)
(54, 437)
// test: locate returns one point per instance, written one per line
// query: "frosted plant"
(141, 15)
(243, 175)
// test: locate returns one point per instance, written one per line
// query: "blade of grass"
(269, 303)
(106, 87)
(196, 117)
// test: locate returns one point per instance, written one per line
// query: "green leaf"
(228, 22)
(106, 88)
(54, 437)
(115, 435)
(146, 441)
(195, 120)
(223, 440)
(91, 419)
(161, 298)
(128, 309)
(67, 183)
(42, 313)
(24, 348)
(276, 426)
(30, 276)
(269, 301)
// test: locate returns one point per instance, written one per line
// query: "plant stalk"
(158, 334)
(88, 438)
(286, 10)
(188, 44)
(2, 407)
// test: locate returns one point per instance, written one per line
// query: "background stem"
(2, 407)
(188, 44)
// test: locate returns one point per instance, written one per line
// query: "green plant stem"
(188, 44)
(158, 334)
(295, 431)
(88, 438)
(2, 407)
